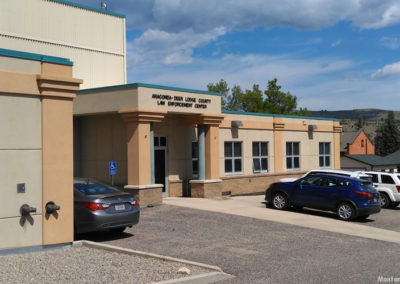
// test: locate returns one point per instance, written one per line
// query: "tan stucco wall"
(309, 148)
(21, 156)
(102, 139)
(92, 40)
(247, 137)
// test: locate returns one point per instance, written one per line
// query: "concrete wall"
(21, 162)
(92, 40)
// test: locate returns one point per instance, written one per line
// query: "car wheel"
(385, 201)
(280, 201)
(117, 231)
(394, 204)
(345, 211)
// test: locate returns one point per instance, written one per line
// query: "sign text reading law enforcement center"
(179, 101)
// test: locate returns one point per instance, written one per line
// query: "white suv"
(358, 175)
(388, 185)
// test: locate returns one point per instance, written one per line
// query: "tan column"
(57, 88)
(212, 152)
(337, 128)
(138, 144)
(278, 145)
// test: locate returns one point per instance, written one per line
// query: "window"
(362, 143)
(324, 155)
(233, 157)
(293, 155)
(260, 157)
(387, 179)
(374, 178)
(195, 159)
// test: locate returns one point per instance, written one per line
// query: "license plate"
(119, 207)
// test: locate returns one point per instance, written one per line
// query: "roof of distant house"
(373, 160)
(348, 138)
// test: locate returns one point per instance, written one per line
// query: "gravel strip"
(84, 265)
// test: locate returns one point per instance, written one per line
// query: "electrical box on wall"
(21, 188)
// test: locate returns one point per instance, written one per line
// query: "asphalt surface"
(258, 251)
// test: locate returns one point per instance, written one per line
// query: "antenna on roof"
(103, 5)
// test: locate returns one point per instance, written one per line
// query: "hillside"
(372, 118)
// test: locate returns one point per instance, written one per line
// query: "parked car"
(358, 174)
(100, 207)
(348, 197)
(388, 185)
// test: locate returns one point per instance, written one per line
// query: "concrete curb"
(211, 277)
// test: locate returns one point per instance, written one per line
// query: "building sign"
(180, 101)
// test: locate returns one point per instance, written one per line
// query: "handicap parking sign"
(113, 168)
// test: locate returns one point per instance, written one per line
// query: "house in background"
(356, 143)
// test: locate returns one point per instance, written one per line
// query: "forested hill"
(366, 114)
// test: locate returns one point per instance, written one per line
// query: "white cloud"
(388, 71)
(390, 42)
(177, 15)
(336, 43)
(155, 46)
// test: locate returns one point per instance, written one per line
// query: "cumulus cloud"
(336, 43)
(155, 46)
(177, 15)
(388, 71)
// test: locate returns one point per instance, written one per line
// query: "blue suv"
(348, 197)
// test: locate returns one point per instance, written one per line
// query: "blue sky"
(331, 54)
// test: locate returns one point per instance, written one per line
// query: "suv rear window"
(387, 179)
(93, 188)
(367, 186)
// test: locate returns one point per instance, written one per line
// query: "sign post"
(112, 171)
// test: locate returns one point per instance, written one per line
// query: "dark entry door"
(159, 167)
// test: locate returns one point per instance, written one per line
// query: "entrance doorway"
(161, 163)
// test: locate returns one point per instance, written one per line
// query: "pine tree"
(387, 139)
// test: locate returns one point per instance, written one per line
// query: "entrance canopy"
(140, 96)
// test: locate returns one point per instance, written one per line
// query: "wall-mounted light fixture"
(236, 123)
(312, 127)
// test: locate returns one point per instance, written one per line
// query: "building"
(356, 143)
(93, 39)
(368, 163)
(168, 141)
(36, 94)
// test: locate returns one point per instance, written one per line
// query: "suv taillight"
(364, 194)
(398, 188)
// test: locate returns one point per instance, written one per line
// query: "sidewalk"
(251, 206)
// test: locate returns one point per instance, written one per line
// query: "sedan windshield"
(93, 188)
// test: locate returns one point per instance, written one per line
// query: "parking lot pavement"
(251, 206)
(259, 251)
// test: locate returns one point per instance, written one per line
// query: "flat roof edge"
(89, 8)
(35, 56)
(277, 115)
(143, 85)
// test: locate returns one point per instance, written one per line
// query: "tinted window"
(367, 178)
(387, 179)
(312, 180)
(367, 186)
(374, 178)
(93, 188)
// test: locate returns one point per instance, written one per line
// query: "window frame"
(195, 175)
(293, 156)
(324, 155)
(260, 156)
(233, 158)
